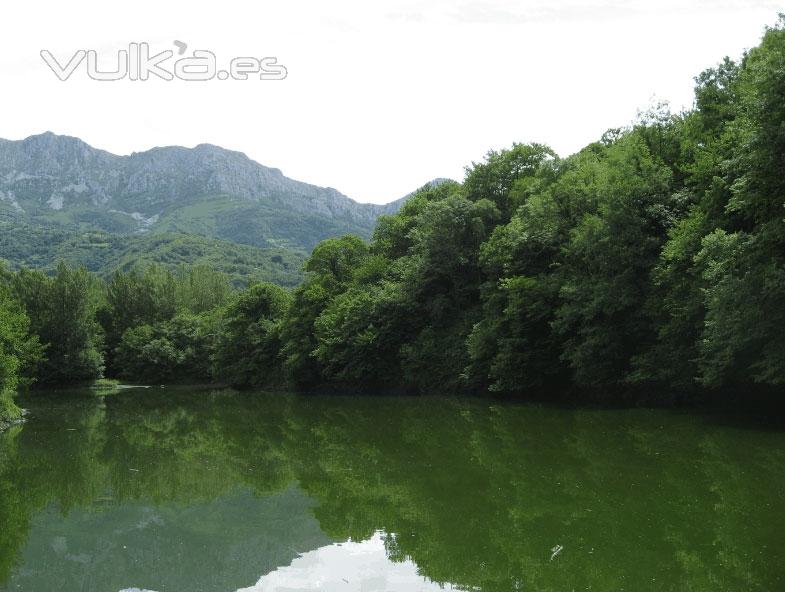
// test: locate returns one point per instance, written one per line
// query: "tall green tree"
(247, 349)
(136, 297)
(744, 264)
(505, 175)
(62, 311)
(175, 350)
(19, 352)
(330, 269)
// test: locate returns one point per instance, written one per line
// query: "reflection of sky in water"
(346, 567)
(216, 545)
(221, 545)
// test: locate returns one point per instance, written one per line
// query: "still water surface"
(182, 491)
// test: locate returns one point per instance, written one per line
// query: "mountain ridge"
(55, 190)
(49, 138)
(48, 178)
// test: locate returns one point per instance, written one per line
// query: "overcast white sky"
(380, 96)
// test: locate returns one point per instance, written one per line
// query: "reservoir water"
(178, 490)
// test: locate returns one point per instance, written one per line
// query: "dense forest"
(652, 261)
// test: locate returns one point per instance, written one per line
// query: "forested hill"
(651, 263)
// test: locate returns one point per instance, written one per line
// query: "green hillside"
(41, 247)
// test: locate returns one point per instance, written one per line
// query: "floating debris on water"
(555, 551)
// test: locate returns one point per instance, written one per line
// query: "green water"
(171, 490)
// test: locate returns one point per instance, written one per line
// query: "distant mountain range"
(60, 186)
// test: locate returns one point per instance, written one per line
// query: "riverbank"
(743, 399)
(10, 413)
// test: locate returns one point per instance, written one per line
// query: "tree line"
(653, 260)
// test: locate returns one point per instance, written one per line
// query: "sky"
(379, 97)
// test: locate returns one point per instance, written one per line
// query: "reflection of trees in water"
(479, 494)
(14, 517)
(476, 493)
